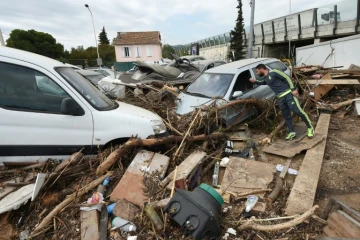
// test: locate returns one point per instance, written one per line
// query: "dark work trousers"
(288, 104)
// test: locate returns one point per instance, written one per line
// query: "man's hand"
(252, 80)
(295, 93)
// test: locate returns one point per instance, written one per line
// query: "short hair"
(261, 66)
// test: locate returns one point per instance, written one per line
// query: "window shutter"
(130, 51)
(139, 51)
(123, 51)
(150, 51)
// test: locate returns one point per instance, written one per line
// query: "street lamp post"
(251, 36)
(97, 47)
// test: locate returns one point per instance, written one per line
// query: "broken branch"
(68, 200)
(132, 143)
(269, 228)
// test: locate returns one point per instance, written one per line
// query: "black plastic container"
(197, 212)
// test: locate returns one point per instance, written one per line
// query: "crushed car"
(228, 83)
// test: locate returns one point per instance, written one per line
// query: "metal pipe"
(97, 47)
(251, 35)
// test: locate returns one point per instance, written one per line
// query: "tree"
(36, 42)
(103, 39)
(167, 50)
(237, 38)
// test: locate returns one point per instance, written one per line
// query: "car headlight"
(158, 126)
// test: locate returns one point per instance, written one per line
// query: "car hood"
(132, 110)
(187, 103)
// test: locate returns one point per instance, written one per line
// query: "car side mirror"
(70, 107)
(237, 94)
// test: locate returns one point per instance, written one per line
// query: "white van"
(48, 110)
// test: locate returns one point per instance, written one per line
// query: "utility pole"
(251, 37)
(2, 42)
(289, 24)
(99, 61)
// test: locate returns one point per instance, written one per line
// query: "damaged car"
(181, 71)
(48, 110)
(228, 83)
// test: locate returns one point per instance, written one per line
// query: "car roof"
(192, 56)
(88, 72)
(233, 67)
(41, 61)
(205, 62)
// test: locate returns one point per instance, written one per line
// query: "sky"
(179, 21)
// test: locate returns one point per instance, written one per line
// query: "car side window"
(25, 89)
(242, 82)
(277, 65)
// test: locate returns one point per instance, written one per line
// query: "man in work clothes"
(286, 94)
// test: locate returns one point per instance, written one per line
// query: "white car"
(48, 110)
(228, 82)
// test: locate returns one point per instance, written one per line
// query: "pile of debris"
(204, 180)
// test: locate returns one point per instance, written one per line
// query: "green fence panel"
(123, 66)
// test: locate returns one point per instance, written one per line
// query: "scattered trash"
(123, 224)
(291, 171)
(251, 202)
(224, 161)
(231, 231)
(198, 211)
(24, 235)
(154, 217)
(14, 200)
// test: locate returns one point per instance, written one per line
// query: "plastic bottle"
(154, 217)
(250, 202)
(123, 224)
(106, 181)
(110, 208)
(101, 188)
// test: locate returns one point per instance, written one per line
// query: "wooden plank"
(290, 148)
(249, 175)
(333, 223)
(320, 91)
(131, 184)
(334, 82)
(89, 225)
(335, 204)
(302, 194)
(186, 167)
(331, 232)
(347, 223)
(285, 168)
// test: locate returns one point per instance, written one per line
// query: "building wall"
(155, 56)
(346, 52)
(218, 52)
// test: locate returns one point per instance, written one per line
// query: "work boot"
(310, 133)
(290, 136)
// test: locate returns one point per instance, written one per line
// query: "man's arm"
(258, 82)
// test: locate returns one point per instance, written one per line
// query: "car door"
(32, 124)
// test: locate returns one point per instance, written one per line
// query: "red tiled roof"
(131, 38)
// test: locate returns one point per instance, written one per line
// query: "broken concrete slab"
(246, 175)
(302, 194)
(131, 184)
(185, 168)
(290, 148)
(125, 210)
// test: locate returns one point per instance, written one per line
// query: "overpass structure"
(280, 37)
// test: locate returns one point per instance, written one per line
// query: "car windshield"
(96, 98)
(210, 85)
(199, 66)
(95, 78)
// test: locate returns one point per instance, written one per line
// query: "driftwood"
(269, 138)
(250, 224)
(31, 167)
(275, 193)
(75, 158)
(342, 104)
(237, 102)
(67, 201)
(55, 198)
(132, 143)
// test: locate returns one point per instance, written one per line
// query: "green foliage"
(103, 39)
(36, 42)
(87, 57)
(167, 50)
(237, 39)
